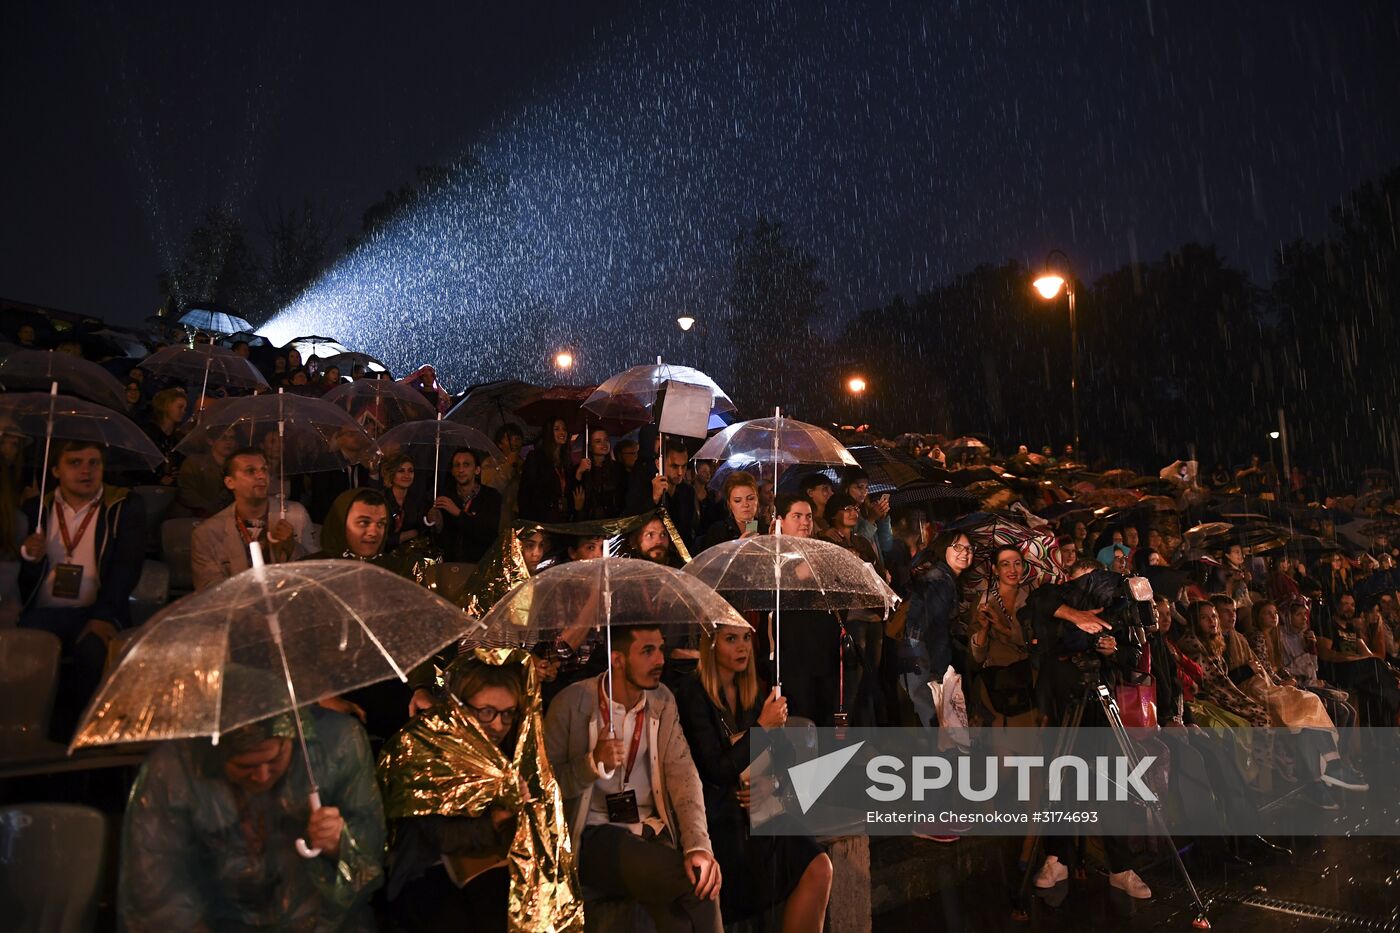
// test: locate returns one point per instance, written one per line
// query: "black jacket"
(465, 538)
(120, 528)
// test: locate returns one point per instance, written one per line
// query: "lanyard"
(242, 527)
(69, 545)
(606, 708)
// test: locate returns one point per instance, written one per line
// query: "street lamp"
(856, 385)
(686, 322)
(563, 360)
(1049, 285)
(1273, 435)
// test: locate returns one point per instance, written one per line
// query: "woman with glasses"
(1003, 690)
(926, 650)
(477, 827)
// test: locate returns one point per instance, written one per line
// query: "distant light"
(856, 385)
(1273, 434)
(685, 321)
(564, 359)
(1049, 285)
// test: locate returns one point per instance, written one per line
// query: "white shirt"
(612, 782)
(84, 554)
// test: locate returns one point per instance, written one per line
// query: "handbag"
(1137, 704)
(1011, 688)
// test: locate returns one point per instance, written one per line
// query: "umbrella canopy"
(425, 441)
(558, 402)
(319, 347)
(313, 435)
(39, 369)
(599, 593)
(988, 531)
(348, 360)
(74, 419)
(894, 467)
(215, 322)
(813, 574)
(940, 501)
(777, 441)
(630, 395)
(379, 404)
(244, 336)
(205, 366)
(492, 404)
(210, 662)
(126, 343)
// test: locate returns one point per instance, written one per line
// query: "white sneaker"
(1130, 884)
(1051, 873)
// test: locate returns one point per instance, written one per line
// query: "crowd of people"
(646, 789)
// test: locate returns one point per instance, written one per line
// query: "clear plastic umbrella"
(777, 441)
(61, 417)
(319, 347)
(267, 641)
(312, 435)
(349, 359)
(379, 404)
(207, 364)
(215, 322)
(424, 441)
(588, 595)
(770, 571)
(630, 395)
(39, 369)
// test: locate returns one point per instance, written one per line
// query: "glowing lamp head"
(564, 359)
(1273, 435)
(1049, 285)
(686, 322)
(856, 385)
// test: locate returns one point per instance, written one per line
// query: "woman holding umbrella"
(718, 705)
(740, 500)
(1003, 692)
(407, 507)
(926, 652)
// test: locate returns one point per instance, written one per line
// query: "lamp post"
(856, 386)
(1049, 284)
(564, 361)
(687, 322)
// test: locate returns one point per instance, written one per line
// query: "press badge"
(622, 807)
(67, 581)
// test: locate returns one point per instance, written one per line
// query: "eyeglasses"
(850, 508)
(487, 714)
(961, 549)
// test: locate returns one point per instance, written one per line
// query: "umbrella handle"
(303, 849)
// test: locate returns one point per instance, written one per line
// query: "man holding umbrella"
(79, 570)
(219, 547)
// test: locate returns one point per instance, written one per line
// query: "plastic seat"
(152, 591)
(28, 683)
(52, 855)
(175, 545)
(157, 500)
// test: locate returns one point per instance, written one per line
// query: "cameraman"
(1081, 631)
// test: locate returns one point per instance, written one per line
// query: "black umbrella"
(940, 501)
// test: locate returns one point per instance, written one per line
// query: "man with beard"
(219, 546)
(632, 796)
(650, 542)
(669, 490)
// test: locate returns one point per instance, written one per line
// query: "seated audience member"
(600, 482)
(168, 409)
(739, 501)
(718, 705)
(504, 476)
(650, 542)
(77, 572)
(546, 478)
(634, 802)
(356, 526)
(200, 489)
(209, 841)
(466, 785)
(407, 505)
(466, 516)
(668, 490)
(1346, 660)
(219, 546)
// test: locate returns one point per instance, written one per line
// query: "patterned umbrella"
(990, 530)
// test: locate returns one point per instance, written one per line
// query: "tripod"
(1099, 692)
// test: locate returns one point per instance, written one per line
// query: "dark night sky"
(901, 144)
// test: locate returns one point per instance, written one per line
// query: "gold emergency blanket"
(442, 764)
(503, 567)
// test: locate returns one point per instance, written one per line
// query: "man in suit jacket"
(78, 572)
(632, 796)
(219, 546)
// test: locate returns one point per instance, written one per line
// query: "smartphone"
(750, 527)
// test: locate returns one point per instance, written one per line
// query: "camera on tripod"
(1124, 604)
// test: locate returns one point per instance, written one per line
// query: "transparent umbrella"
(588, 595)
(630, 395)
(208, 365)
(61, 417)
(40, 369)
(424, 441)
(303, 435)
(319, 347)
(379, 404)
(777, 441)
(770, 571)
(349, 359)
(269, 640)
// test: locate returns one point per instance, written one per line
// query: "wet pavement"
(1326, 884)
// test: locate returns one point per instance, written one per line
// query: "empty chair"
(52, 855)
(175, 534)
(28, 682)
(157, 500)
(152, 591)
